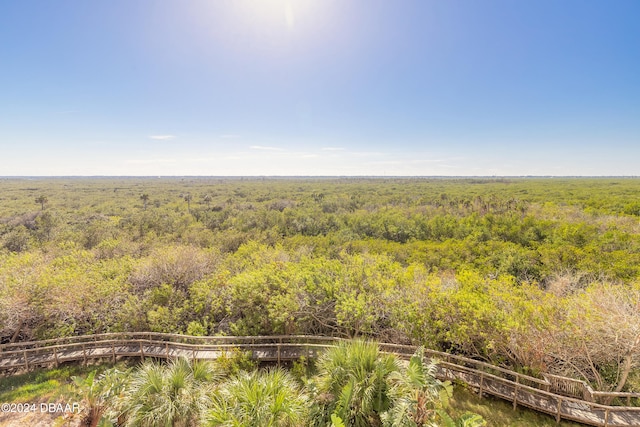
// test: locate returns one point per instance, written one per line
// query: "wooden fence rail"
(563, 398)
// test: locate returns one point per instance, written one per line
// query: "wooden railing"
(563, 398)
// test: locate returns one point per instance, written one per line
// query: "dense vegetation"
(86, 385)
(354, 384)
(541, 275)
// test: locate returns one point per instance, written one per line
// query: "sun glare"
(278, 15)
(270, 12)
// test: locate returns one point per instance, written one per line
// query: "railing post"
(26, 360)
(606, 417)
(558, 410)
(279, 351)
(481, 384)
(166, 349)
(55, 354)
(515, 392)
(113, 351)
(84, 355)
(141, 350)
(587, 393)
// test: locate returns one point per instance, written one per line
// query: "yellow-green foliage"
(505, 270)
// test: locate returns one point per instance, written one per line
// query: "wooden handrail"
(518, 388)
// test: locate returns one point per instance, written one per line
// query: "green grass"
(499, 413)
(39, 385)
(43, 385)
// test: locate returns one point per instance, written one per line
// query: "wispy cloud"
(230, 136)
(332, 149)
(162, 137)
(262, 147)
(150, 161)
(367, 153)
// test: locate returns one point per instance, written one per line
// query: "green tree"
(207, 200)
(46, 223)
(17, 240)
(145, 199)
(42, 200)
(187, 198)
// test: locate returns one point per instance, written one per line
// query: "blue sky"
(319, 87)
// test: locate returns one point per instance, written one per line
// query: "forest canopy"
(540, 275)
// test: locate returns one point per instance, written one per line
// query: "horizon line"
(317, 176)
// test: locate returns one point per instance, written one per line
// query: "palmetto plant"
(269, 398)
(466, 420)
(99, 394)
(173, 395)
(358, 386)
(354, 383)
(419, 399)
(415, 393)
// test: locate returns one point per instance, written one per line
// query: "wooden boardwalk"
(563, 398)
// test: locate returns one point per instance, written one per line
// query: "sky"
(320, 87)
